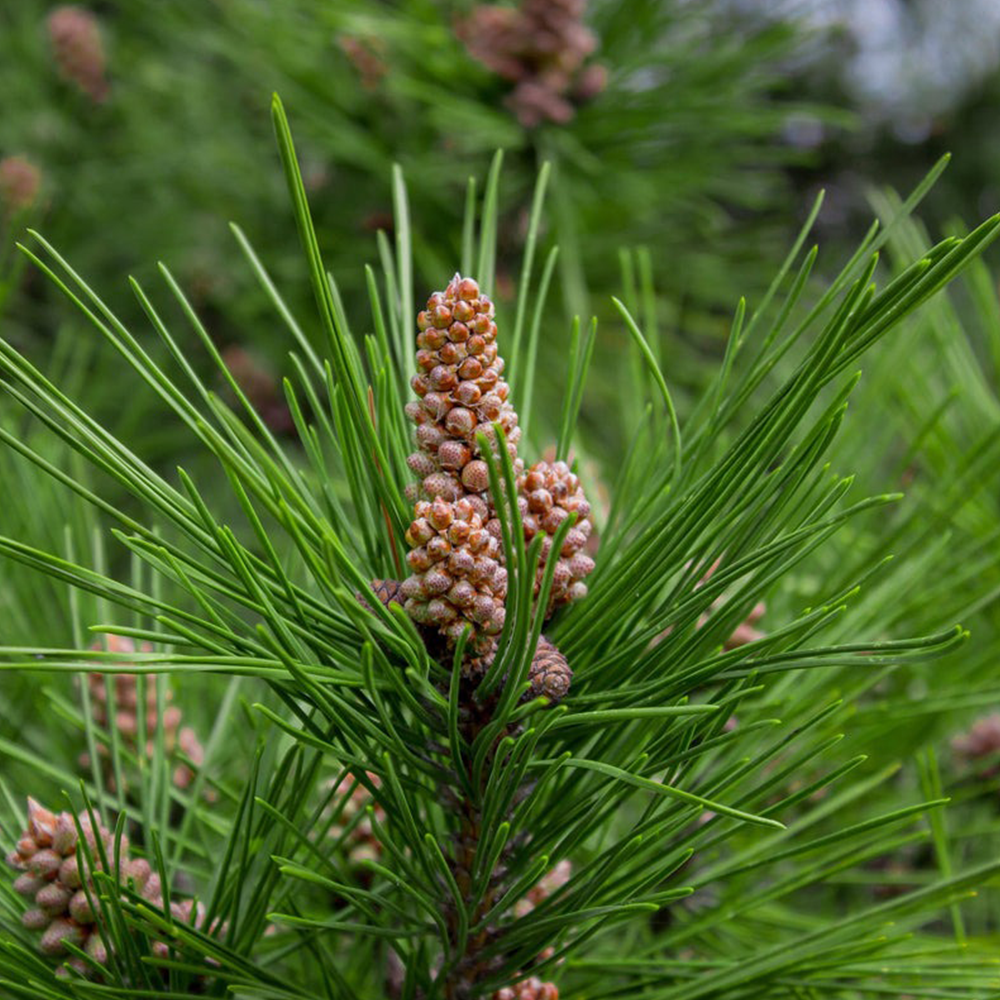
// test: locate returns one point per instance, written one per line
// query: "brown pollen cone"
(548, 493)
(458, 580)
(53, 877)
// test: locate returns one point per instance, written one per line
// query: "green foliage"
(703, 794)
(681, 151)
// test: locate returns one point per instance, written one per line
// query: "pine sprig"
(704, 799)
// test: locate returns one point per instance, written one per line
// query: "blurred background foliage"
(697, 131)
(680, 147)
(686, 149)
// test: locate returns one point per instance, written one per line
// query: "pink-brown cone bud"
(20, 183)
(76, 42)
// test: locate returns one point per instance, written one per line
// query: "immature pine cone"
(78, 50)
(387, 591)
(457, 580)
(548, 494)
(549, 673)
(52, 878)
(125, 711)
(20, 181)
(462, 393)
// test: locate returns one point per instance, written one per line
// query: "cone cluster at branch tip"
(548, 494)
(75, 36)
(54, 875)
(456, 580)
(124, 710)
(20, 182)
(541, 46)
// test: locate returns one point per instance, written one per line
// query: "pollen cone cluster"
(456, 558)
(548, 494)
(124, 712)
(528, 989)
(78, 51)
(541, 46)
(461, 392)
(457, 580)
(53, 876)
